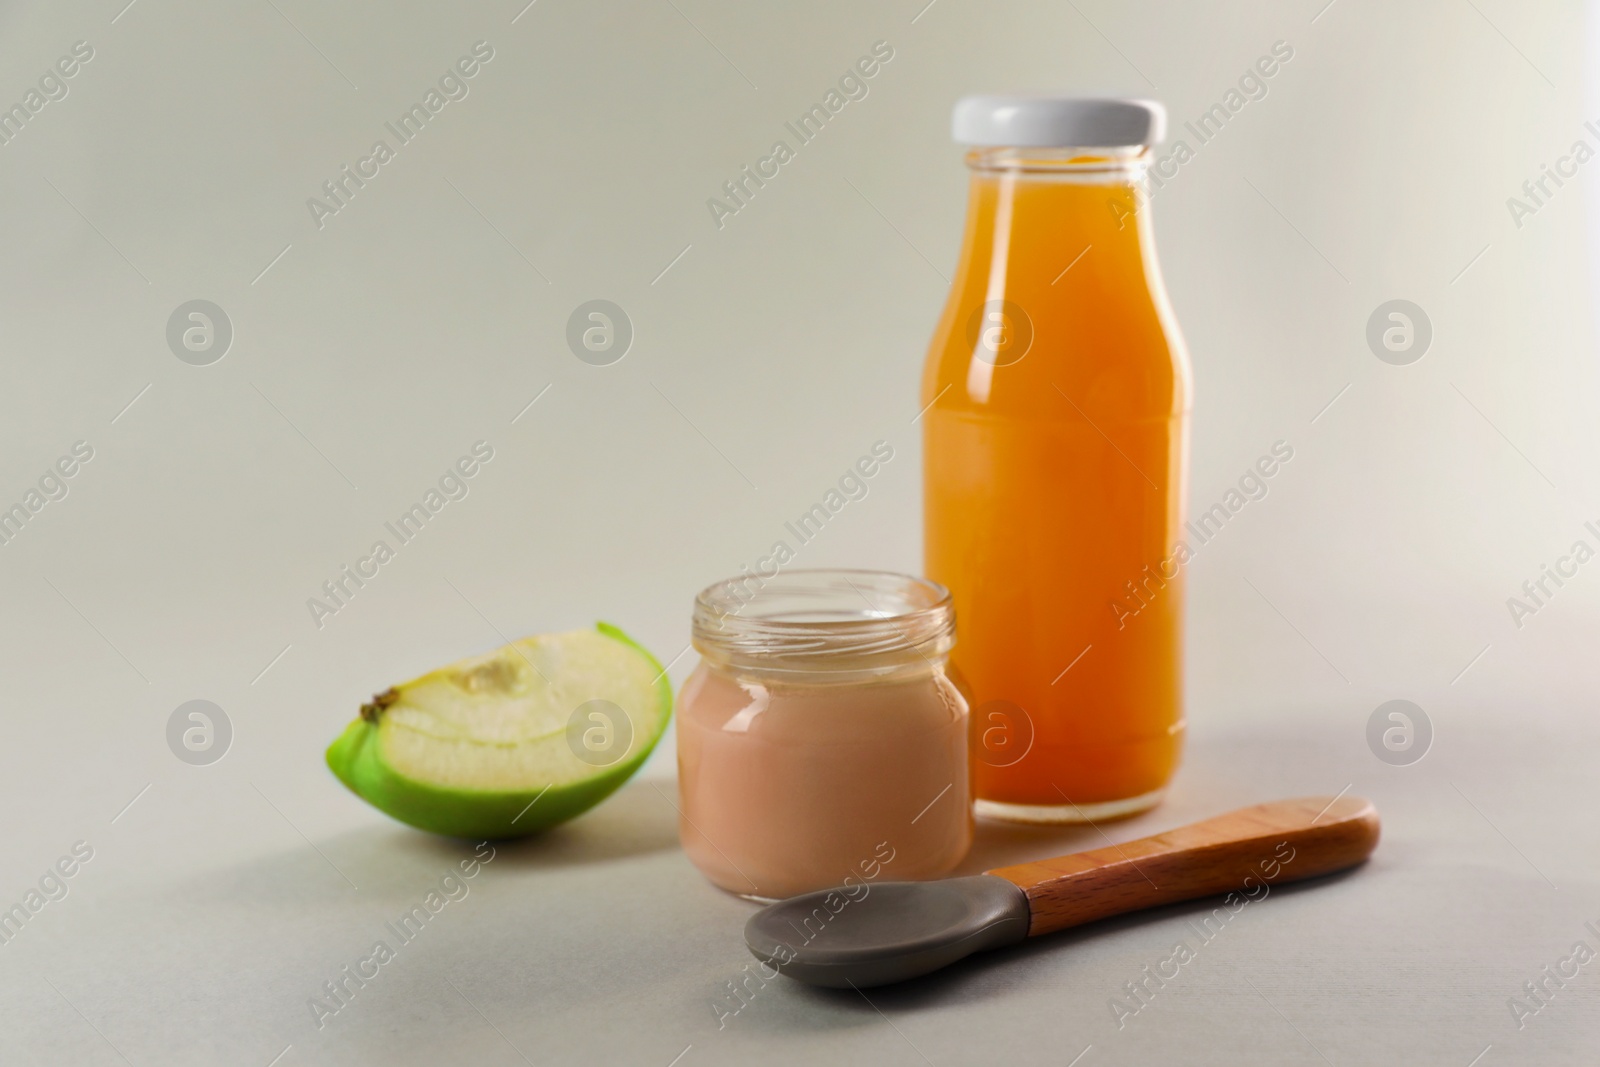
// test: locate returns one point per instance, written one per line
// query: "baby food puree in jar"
(820, 742)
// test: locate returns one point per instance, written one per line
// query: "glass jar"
(820, 743)
(1055, 447)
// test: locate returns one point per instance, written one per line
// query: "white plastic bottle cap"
(1057, 121)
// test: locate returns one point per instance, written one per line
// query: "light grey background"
(768, 354)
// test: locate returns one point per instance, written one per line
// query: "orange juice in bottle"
(1056, 402)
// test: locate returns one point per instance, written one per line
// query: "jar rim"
(824, 619)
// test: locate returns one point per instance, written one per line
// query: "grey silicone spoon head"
(899, 930)
(895, 931)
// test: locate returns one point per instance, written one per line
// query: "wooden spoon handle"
(1242, 853)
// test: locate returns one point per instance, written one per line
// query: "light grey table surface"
(599, 943)
(370, 350)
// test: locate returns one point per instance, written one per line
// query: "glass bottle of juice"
(1056, 404)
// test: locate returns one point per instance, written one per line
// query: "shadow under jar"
(820, 742)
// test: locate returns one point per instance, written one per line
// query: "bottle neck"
(1099, 192)
(1058, 254)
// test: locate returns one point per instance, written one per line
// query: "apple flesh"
(510, 743)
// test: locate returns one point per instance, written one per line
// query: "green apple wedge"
(512, 742)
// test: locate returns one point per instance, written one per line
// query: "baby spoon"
(898, 930)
